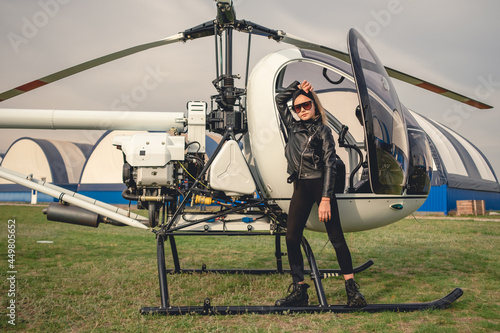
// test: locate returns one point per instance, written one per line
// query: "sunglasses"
(306, 105)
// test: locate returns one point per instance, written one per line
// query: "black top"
(310, 151)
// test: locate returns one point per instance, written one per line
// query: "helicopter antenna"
(415, 218)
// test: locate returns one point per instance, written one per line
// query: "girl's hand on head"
(306, 86)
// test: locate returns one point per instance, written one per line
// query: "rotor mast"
(228, 113)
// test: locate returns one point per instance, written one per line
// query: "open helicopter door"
(383, 119)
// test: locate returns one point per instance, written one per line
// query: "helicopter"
(389, 160)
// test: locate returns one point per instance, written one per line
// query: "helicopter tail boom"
(91, 120)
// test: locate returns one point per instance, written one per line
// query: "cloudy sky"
(453, 44)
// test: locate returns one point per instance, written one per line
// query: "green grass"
(96, 280)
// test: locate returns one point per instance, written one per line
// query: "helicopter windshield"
(385, 127)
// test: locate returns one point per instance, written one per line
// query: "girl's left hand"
(324, 212)
(306, 86)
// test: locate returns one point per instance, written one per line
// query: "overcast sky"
(454, 44)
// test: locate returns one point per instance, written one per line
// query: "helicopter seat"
(340, 176)
(363, 185)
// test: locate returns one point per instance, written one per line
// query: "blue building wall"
(108, 193)
(24, 197)
(18, 193)
(443, 199)
(436, 201)
(491, 199)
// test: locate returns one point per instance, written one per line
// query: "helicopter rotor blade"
(301, 43)
(202, 30)
(436, 89)
(208, 29)
(87, 65)
(304, 44)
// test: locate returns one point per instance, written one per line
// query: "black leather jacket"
(310, 150)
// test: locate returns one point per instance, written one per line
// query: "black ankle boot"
(355, 299)
(298, 296)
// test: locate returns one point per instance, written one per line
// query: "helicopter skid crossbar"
(325, 273)
(207, 309)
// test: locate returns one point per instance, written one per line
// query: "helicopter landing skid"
(207, 309)
(316, 275)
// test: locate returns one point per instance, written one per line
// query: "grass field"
(96, 280)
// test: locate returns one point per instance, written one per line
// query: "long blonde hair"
(319, 108)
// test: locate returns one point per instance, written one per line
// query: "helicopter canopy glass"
(385, 127)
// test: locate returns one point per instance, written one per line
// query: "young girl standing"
(310, 153)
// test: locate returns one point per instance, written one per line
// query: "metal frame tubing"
(162, 272)
(315, 273)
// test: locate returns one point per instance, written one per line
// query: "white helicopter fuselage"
(265, 145)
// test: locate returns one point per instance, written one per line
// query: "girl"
(310, 153)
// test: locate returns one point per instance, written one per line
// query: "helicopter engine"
(149, 158)
(148, 170)
(156, 164)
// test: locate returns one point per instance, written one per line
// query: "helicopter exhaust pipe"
(72, 214)
(76, 215)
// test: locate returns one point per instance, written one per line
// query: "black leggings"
(305, 193)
